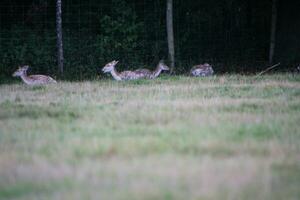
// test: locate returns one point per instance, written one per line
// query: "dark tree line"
(233, 35)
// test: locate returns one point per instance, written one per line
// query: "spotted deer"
(120, 76)
(153, 74)
(32, 79)
(202, 70)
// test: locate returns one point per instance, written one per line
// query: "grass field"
(224, 137)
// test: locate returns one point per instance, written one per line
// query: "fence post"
(60, 55)
(273, 31)
(170, 34)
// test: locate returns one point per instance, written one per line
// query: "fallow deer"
(125, 75)
(32, 79)
(202, 70)
(153, 74)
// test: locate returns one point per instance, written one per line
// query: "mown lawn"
(224, 137)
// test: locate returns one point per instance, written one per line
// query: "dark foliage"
(233, 35)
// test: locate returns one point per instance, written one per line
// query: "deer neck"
(25, 78)
(115, 74)
(156, 72)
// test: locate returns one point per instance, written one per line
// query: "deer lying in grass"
(202, 70)
(132, 75)
(153, 74)
(32, 79)
(125, 75)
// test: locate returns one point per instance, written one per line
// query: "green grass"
(223, 137)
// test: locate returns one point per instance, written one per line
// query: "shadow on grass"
(15, 111)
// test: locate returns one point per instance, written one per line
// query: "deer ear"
(116, 61)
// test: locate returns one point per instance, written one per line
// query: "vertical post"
(273, 31)
(60, 56)
(170, 34)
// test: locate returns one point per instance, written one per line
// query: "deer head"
(163, 66)
(21, 71)
(109, 66)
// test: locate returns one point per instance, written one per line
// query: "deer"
(202, 70)
(161, 66)
(32, 80)
(125, 75)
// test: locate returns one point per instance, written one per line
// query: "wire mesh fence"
(232, 35)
